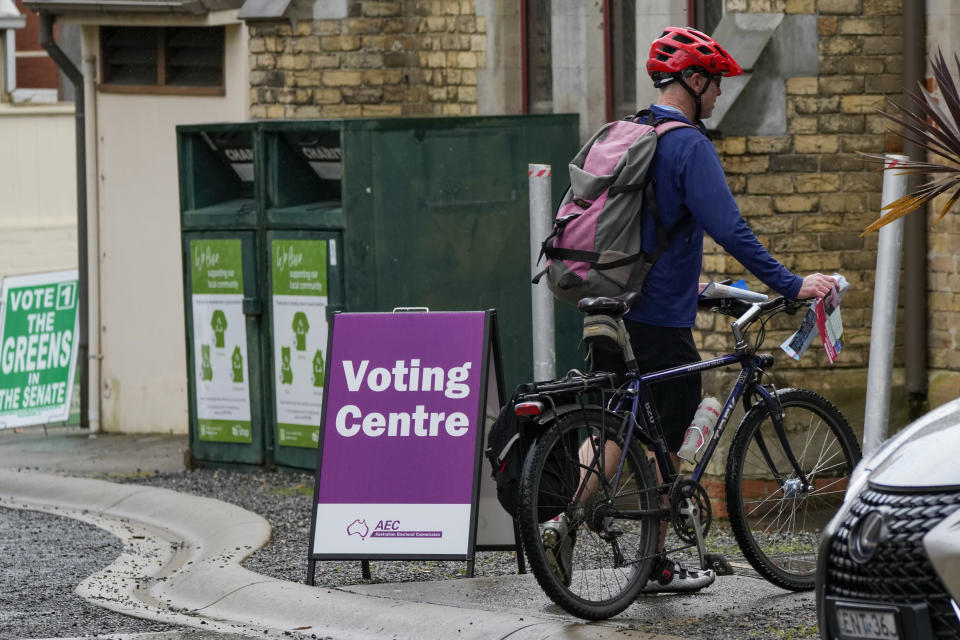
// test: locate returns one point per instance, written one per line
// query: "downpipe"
(46, 22)
(93, 244)
(915, 226)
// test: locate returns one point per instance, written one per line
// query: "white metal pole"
(883, 326)
(544, 352)
(9, 61)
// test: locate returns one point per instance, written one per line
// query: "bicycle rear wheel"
(776, 520)
(606, 546)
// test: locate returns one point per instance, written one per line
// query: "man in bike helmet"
(693, 197)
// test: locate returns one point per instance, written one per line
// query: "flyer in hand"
(823, 319)
(829, 324)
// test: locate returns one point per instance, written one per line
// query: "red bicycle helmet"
(680, 47)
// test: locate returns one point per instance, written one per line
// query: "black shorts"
(658, 348)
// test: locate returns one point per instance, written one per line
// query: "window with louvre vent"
(162, 59)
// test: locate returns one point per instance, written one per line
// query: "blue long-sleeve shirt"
(689, 177)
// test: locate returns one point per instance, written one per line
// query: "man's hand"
(816, 285)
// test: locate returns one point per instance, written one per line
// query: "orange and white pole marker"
(541, 221)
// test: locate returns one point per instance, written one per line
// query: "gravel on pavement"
(46, 556)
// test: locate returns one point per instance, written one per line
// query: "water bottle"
(699, 432)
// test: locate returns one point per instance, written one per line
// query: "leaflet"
(829, 324)
(823, 319)
(796, 345)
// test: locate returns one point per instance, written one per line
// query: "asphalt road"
(42, 559)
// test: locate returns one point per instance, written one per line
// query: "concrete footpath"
(182, 554)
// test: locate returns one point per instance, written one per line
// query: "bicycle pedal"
(718, 563)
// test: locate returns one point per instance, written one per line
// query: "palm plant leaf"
(934, 127)
(912, 201)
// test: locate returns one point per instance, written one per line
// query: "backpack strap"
(648, 117)
(644, 116)
(664, 126)
(664, 237)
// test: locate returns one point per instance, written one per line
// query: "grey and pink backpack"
(595, 248)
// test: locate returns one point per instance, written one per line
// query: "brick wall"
(807, 194)
(399, 58)
(943, 286)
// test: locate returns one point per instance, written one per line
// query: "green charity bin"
(218, 176)
(219, 216)
(224, 348)
(305, 284)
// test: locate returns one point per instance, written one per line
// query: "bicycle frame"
(651, 433)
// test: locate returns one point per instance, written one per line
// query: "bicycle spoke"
(611, 556)
(775, 517)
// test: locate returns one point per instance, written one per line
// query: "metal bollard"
(544, 351)
(884, 323)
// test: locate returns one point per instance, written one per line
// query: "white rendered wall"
(38, 201)
(143, 380)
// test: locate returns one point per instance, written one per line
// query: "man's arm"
(709, 200)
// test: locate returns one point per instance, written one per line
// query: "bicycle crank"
(690, 511)
(691, 514)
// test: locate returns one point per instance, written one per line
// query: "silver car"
(890, 559)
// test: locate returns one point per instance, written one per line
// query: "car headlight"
(860, 473)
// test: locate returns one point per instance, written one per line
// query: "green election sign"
(38, 348)
(220, 341)
(299, 276)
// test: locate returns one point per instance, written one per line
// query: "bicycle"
(786, 471)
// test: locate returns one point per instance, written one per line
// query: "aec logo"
(359, 528)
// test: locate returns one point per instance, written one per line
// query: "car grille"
(899, 571)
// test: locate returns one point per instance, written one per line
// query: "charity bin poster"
(403, 417)
(299, 277)
(38, 348)
(220, 341)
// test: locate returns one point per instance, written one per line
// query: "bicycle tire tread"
(836, 422)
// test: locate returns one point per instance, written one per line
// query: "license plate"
(861, 623)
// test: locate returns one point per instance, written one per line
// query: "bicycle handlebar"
(748, 312)
(736, 308)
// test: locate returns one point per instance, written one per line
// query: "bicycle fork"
(790, 488)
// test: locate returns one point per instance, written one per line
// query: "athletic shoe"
(673, 577)
(558, 540)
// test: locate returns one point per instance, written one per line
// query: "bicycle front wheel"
(597, 554)
(776, 517)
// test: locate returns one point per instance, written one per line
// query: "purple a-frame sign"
(401, 436)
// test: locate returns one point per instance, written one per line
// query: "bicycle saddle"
(613, 306)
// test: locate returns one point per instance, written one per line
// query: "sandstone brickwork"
(808, 195)
(388, 58)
